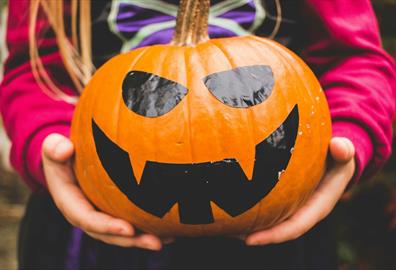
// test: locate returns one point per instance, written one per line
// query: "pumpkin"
(201, 136)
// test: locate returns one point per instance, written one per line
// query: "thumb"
(341, 149)
(57, 147)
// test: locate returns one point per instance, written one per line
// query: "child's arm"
(358, 77)
(359, 80)
(29, 115)
(37, 123)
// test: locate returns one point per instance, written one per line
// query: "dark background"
(365, 218)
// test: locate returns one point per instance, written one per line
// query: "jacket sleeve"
(359, 78)
(29, 114)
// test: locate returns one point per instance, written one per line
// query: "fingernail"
(250, 242)
(347, 144)
(119, 227)
(61, 147)
(345, 141)
(147, 244)
(125, 231)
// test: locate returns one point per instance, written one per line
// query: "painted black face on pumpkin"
(194, 186)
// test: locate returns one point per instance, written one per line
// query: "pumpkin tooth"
(137, 167)
(247, 164)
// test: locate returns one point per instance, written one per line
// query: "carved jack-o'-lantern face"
(218, 138)
(193, 184)
(201, 137)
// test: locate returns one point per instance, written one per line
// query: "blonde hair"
(76, 52)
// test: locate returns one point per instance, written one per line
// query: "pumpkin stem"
(191, 23)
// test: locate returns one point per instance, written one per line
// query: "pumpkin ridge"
(227, 56)
(212, 43)
(285, 64)
(212, 111)
(121, 103)
(187, 67)
(246, 114)
(286, 213)
(93, 108)
(136, 59)
(175, 52)
(231, 64)
(296, 68)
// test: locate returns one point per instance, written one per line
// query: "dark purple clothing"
(46, 237)
(339, 40)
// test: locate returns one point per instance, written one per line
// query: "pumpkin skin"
(201, 129)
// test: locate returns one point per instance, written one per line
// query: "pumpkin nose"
(150, 95)
(242, 87)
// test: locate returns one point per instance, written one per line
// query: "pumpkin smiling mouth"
(194, 186)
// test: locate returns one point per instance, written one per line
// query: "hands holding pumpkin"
(56, 152)
(322, 201)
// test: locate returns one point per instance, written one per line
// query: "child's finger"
(57, 147)
(144, 241)
(82, 214)
(98, 222)
(341, 149)
(74, 205)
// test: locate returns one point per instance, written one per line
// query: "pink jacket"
(344, 50)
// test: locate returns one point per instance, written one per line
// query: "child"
(338, 39)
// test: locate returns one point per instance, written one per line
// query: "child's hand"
(321, 202)
(57, 151)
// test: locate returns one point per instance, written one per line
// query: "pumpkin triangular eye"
(151, 95)
(241, 87)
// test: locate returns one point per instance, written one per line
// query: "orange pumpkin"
(201, 137)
